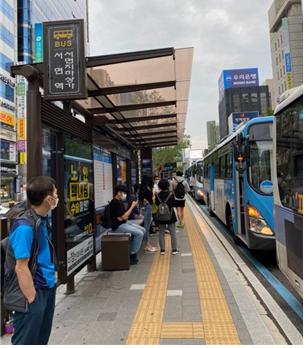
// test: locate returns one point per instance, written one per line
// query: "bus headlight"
(257, 223)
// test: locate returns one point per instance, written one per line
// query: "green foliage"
(269, 112)
(169, 154)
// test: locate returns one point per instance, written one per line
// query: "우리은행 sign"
(64, 59)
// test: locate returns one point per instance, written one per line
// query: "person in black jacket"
(146, 200)
(166, 196)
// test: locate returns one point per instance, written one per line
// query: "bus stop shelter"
(138, 100)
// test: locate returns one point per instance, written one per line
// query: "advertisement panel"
(236, 78)
(236, 118)
(103, 177)
(79, 254)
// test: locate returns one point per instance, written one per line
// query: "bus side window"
(223, 166)
(229, 165)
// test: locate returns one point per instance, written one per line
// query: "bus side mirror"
(239, 155)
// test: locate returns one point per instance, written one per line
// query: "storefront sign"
(7, 106)
(21, 135)
(7, 135)
(7, 118)
(7, 80)
(79, 254)
(64, 56)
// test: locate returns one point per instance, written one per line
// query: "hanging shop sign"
(7, 118)
(64, 58)
(20, 89)
(78, 254)
(21, 145)
(22, 158)
(21, 129)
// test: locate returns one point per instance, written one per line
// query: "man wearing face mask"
(30, 286)
(120, 223)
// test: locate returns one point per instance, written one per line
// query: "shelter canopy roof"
(142, 95)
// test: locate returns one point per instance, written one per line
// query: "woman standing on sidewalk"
(146, 199)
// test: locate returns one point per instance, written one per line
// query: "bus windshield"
(289, 156)
(260, 144)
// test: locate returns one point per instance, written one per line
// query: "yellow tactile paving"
(147, 324)
(182, 330)
(218, 325)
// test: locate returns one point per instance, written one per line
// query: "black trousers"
(34, 327)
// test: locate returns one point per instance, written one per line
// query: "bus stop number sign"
(64, 59)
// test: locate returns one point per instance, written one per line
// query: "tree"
(269, 112)
(169, 154)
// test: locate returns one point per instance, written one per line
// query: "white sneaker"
(174, 252)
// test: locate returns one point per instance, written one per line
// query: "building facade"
(240, 100)
(17, 45)
(286, 40)
(211, 134)
(8, 49)
(269, 83)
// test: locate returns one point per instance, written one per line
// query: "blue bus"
(287, 174)
(238, 185)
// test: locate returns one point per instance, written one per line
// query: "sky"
(225, 34)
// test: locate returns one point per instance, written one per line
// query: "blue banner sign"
(238, 78)
(288, 62)
(38, 33)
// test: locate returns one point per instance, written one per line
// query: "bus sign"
(64, 57)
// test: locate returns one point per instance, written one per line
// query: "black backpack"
(179, 191)
(16, 211)
(107, 219)
(12, 296)
(164, 213)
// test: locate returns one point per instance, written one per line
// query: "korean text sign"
(238, 78)
(64, 58)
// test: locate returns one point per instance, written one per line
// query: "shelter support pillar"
(34, 126)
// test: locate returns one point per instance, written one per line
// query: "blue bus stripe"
(276, 284)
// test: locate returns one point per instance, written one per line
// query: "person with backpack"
(165, 216)
(180, 187)
(146, 200)
(119, 221)
(29, 277)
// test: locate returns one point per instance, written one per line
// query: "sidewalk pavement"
(104, 306)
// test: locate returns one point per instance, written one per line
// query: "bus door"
(211, 201)
(240, 182)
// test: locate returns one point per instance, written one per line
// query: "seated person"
(119, 216)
